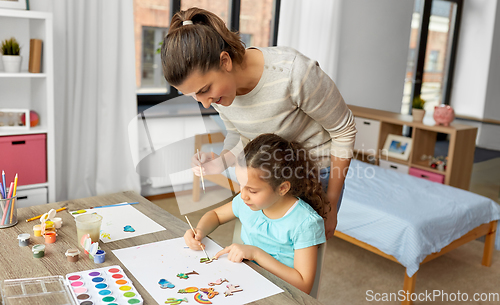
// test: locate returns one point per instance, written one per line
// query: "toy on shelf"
(443, 115)
(438, 163)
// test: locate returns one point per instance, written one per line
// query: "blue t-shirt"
(301, 228)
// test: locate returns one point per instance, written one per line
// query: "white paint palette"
(108, 285)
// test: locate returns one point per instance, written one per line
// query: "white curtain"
(313, 28)
(94, 96)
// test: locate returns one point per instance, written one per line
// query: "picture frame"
(398, 147)
(13, 4)
(10, 119)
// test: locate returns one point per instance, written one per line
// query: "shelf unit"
(462, 143)
(34, 91)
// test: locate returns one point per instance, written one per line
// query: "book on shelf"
(35, 56)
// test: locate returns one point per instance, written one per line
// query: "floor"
(352, 275)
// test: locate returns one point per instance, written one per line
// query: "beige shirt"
(296, 100)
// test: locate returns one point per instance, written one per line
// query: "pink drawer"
(24, 155)
(426, 175)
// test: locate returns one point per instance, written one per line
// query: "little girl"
(280, 206)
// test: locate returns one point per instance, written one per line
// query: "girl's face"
(255, 192)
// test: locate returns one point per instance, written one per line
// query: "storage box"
(26, 156)
(31, 197)
(367, 135)
(427, 175)
(394, 166)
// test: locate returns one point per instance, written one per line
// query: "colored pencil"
(194, 232)
(4, 185)
(113, 205)
(38, 217)
(7, 206)
(201, 171)
(13, 200)
(1, 191)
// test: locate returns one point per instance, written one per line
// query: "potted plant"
(11, 55)
(418, 110)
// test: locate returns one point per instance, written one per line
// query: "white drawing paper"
(114, 220)
(165, 259)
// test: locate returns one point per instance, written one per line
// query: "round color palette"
(121, 282)
(133, 301)
(77, 284)
(98, 279)
(101, 286)
(94, 273)
(74, 278)
(105, 292)
(114, 270)
(108, 299)
(117, 276)
(80, 290)
(125, 288)
(83, 297)
(129, 294)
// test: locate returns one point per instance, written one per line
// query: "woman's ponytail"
(188, 47)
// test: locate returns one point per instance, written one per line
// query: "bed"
(411, 220)
(400, 217)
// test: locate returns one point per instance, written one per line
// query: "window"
(255, 20)
(432, 49)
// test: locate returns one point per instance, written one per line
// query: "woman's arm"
(207, 224)
(338, 171)
(301, 275)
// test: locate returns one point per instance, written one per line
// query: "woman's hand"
(194, 241)
(210, 165)
(237, 253)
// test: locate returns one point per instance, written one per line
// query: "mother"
(260, 90)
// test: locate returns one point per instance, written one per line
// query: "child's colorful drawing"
(218, 282)
(186, 275)
(175, 301)
(199, 298)
(210, 292)
(165, 284)
(128, 228)
(231, 289)
(188, 290)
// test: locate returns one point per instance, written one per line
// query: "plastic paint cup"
(24, 239)
(57, 222)
(38, 251)
(37, 230)
(72, 255)
(88, 224)
(8, 215)
(49, 224)
(50, 237)
(99, 257)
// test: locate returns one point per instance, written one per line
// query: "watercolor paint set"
(107, 285)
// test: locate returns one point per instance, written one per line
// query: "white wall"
(492, 100)
(373, 51)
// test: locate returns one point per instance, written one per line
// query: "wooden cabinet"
(462, 143)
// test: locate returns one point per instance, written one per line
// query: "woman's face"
(215, 86)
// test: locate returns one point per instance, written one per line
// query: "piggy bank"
(443, 115)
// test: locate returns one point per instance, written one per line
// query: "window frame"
(418, 71)
(148, 99)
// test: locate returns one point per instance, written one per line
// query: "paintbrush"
(194, 232)
(201, 172)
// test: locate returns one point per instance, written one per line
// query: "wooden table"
(18, 262)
